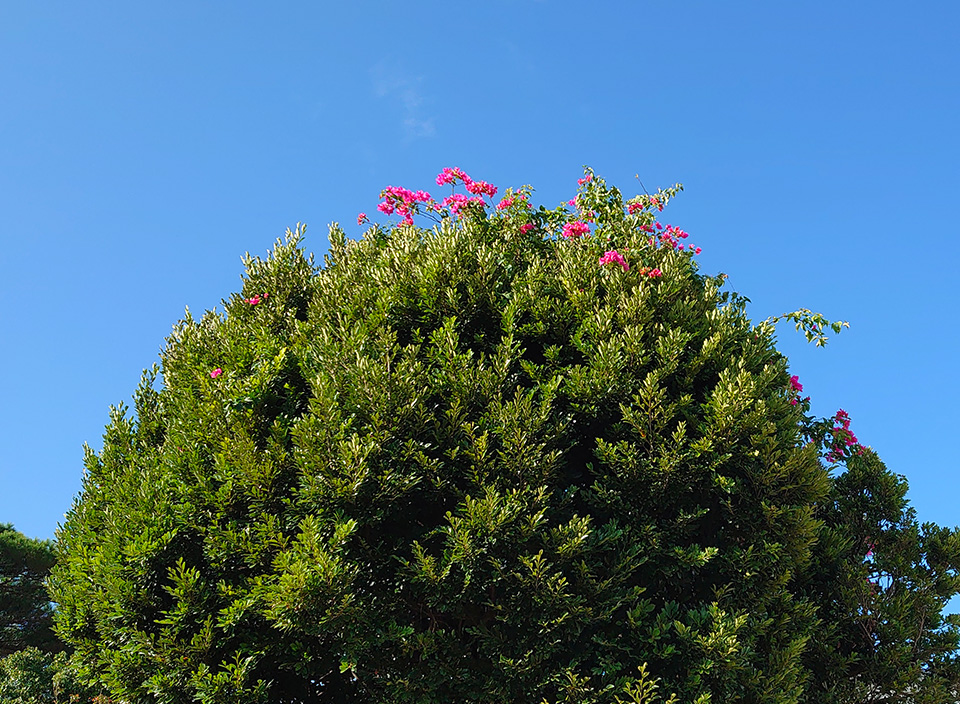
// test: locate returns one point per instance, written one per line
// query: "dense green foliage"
(471, 463)
(32, 676)
(26, 617)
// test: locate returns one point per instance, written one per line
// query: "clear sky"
(144, 147)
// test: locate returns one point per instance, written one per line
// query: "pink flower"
(575, 229)
(252, 301)
(451, 176)
(655, 274)
(793, 402)
(634, 208)
(526, 227)
(362, 218)
(585, 180)
(505, 203)
(457, 202)
(572, 202)
(216, 372)
(481, 187)
(614, 257)
(795, 383)
(403, 202)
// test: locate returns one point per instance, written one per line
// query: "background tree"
(32, 676)
(26, 615)
(522, 456)
(882, 581)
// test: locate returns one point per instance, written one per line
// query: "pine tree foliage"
(470, 464)
(25, 610)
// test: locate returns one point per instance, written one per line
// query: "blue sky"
(145, 147)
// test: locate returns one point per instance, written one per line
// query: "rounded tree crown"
(522, 455)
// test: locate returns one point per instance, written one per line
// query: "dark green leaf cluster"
(463, 464)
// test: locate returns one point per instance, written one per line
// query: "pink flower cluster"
(526, 227)
(614, 257)
(362, 218)
(480, 188)
(457, 202)
(575, 229)
(256, 299)
(669, 236)
(796, 387)
(519, 199)
(454, 175)
(844, 440)
(403, 201)
(643, 202)
(216, 372)
(451, 176)
(585, 180)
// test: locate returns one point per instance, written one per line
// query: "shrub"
(523, 456)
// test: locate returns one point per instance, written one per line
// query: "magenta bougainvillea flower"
(481, 188)
(216, 372)
(575, 229)
(451, 176)
(614, 257)
(459, 202)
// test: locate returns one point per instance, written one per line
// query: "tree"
(25, 610)
(524, 456)
(882, 581)
(32, 676)
(34, 669)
